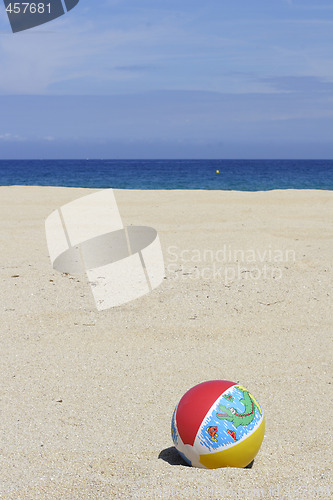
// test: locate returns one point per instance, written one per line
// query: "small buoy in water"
(217, 171)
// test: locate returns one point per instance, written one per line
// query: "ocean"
(240, 175)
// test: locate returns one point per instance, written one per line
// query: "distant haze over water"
(240, 175)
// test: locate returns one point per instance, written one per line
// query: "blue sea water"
(240, 175)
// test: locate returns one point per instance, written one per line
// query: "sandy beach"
(87, 397)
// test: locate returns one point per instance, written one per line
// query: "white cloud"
(88, 55)
(34, 60)
(8, 137)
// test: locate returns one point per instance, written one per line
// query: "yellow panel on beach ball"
(239, 455)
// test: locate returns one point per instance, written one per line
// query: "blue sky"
(168, 79)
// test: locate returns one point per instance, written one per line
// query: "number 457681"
(28, 8)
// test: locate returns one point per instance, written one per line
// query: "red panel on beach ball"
(194, 405)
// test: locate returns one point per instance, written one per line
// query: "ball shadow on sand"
(172, 457)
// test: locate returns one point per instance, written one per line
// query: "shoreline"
(167, 190)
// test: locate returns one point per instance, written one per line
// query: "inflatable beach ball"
(218, 424)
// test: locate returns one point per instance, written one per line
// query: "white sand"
(87, 397)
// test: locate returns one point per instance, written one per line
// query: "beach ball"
(218, 424)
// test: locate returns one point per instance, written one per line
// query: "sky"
(170, 79)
